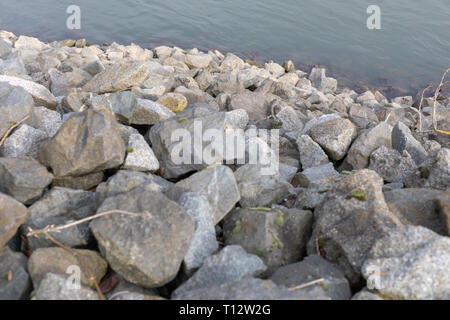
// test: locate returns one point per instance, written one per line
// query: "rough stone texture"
(315, 175)
(12, 215)
(366, 295)
(125, 290)
(322, 82)
(443, 205)
(56, 287)
(314, 267)
(415, 206)
(402, 139)
(166, 146)
(231, 264)
(23, 178)
(175, 102)
(414, 262)
(147, 248)
(311, 154)
(124, 181)
(350, 219)
(86, 182)
(247, 289)
(278, 236)
(60, 206)
(199, 61)
(255, 104)
(40, 94)
(149, 112)
(319, 120)
(391, 165)
(217, 184)
(334, 137)
(25, 141)
(258, 189)
(204, 242)
(19, 285)
(119, 77)
(433, 173)
(87, 142)
(46, 120)
(15, 104)
(58, 261)
(366, 143)
(140, 156)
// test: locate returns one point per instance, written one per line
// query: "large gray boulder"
(15, 104)
(14, 265)
(255, 104)
(24, 179)
(350, 219)
(87, 142)
(231, 264)
(217, 184)
(12, 215)
(314, 267)
(410, 263)
(402, 139)
(147, 247)
(172, 139)
(60, 206)
(391, 165)
(311, 154)
(278, 235)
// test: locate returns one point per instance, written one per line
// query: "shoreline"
(198, 175)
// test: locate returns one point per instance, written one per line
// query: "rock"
(362, 116)
(258, 189)
(85, 182)
(15, 105)
(416, 207)
(365, 295)
(175, 102)
(46, 120)
(199, 61)
(275, 69)
(147, 248)
(227, 82)
(246, 289)
(350, 219)
(120, 77)
(289, 119)
(62, 83)
(23, 179)
(173, 136)
(24, 42)
(278, 235)
(231, 62)
(13, 67)
(319, 120)
(80, 146)
(57, 287)
(414, 262)
(320, 81)
(75, 101)
(124, 181)
(60, 206)
(217, 184)
(125, 290)
(204, 80)
(334, 136)
(95, 67)
(149, 112)
(367, 99)
(402, 139)
(140, 156)
(40, 94)
(204, 242)
(59, 261)
(433, 173)
(391, 165)
(366, 143)
(12, 215)
(25, 141)
(314, 267)
(15, 264)
(5, 49)
(309, 176)
(311, 154)
(231, 264)
(122, 104)
(443, 206)
(289, 78)
(289, 66)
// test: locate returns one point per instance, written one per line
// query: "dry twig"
(8, 132)
(304, 285)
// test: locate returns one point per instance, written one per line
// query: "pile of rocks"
(360, 200)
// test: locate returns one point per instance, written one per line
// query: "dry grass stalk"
(8, 132)
(304, 285)
(51, 228)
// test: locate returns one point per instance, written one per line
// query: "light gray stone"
(140, 156)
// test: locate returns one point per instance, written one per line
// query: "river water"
(411, 49)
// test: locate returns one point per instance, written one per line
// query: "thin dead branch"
(308, 284)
